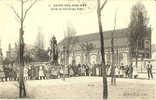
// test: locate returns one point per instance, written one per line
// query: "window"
(147, 44)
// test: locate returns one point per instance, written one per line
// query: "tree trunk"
(130, 49)
(22, 90)
(113, 79)
(73, 59)
(105, 89)
(88, 58)
(136, 54)
(67, 59)
(130, 55)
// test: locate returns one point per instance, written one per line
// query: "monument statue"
(53, 51)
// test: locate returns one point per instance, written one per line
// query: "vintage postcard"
(78, 49)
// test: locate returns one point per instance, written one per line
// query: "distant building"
(154, 51)
(122, 48)
(12, 52)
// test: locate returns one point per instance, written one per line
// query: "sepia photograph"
(78, 49)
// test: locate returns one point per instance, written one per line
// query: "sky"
(50, 22)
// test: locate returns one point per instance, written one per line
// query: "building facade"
(12, 52)
(154, 51)
(87, 49)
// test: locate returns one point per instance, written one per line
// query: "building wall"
(124, 50)
(121, 55)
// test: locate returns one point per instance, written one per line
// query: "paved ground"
(83, 88)
(145, 76)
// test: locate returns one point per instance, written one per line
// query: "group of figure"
(8, 73)
(48, 71)
(127, 71)
(11, 72)
(84, 70)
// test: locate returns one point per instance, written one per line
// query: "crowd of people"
(48, 71)
(127, 71)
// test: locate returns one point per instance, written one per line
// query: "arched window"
(147, 44)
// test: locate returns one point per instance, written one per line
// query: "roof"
(120, 33)
(121, 38)
(107, 35)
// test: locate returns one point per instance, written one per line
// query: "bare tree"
(70, 41)
(21, 18)
(113, 79)
(138, 29)
(99, 10)
(87, 47)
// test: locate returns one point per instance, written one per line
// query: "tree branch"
(18, 20)
(115, 20)
(103, 4)
(16, 13)
(25, 1)
(25, 14)
(98, 6)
